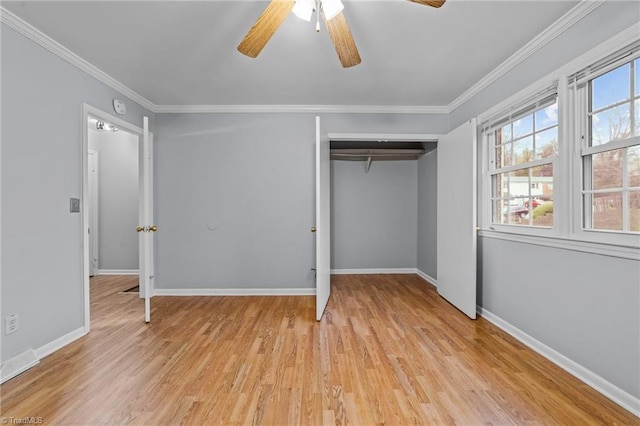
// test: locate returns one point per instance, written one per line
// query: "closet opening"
(381, 150)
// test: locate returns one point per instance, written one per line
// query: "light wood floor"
(389, 350)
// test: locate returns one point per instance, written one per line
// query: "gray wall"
(374, 214)
(428, 214)
(234, 201)
(228, 218)
(584, 306)
(235, 195)
(41, 169)
(582, 36)
(118, 198)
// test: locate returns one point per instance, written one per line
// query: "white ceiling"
(184, 52)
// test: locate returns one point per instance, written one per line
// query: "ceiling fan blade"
(265, 27)
(343, 41)
(432, 3)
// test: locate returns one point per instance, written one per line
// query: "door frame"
(94, 236)
(91, 111)
(376, 137)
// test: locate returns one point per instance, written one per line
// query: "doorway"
(139, 144)
(113, 199)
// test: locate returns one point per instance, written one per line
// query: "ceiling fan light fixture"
(303, 9)
(331, 8)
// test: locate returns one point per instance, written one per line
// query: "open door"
(323, 220)
(146, 229)
(457, 182)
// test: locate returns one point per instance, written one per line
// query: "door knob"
(313, 229)
(153, 228)
(139, 229)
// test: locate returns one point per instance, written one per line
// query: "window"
(523, 147)
(610, 153)
(560, 160)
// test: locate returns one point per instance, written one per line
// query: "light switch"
(74, 205)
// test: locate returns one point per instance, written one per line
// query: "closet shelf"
(379, 154)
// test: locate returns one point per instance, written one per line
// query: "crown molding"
(62, 52)
(565, 22)
(386, 137)
(327, 109)
(581, 10)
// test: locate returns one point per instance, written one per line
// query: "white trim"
(118, 272)
(606, 388)
(565, 22)
(30, 358)
(550, 33)
(62, 52)
(566, 232)
(315, 109)
(612, 250)
(60, 342)
(18, 364)
(86, 111)
(623, 38)
(387, 137)
(234, 292)
(427, 278)
(369, 271)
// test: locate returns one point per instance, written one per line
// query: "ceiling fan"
(331, 10)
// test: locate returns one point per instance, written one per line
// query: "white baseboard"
(234, 292)
(60, 342)
(18, 364)
(118, 272)
(606, 388)
(427, 278)
(29, 358)
(373, 271)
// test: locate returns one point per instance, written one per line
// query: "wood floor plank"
(388, 351)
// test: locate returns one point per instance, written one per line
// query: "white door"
(457, 218)
(93, 212)
(147, 228)
(323, 220)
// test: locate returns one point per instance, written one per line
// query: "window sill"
(604, 249)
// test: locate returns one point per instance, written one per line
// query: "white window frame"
(567, 231)
(578, 99)
(527, 106)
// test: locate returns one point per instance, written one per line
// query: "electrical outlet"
(11, 324)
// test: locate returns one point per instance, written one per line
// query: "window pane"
(504, 134)
(634, 211)
(541, 201)
(521, 197)
(523, 150)
(542, 177)
(610, 124)
(611, 87)
(607, 169)
(636, 65)
(547, 143)
(547, 117)
(523, 127)
(504, 155)
(607, 211)
(637, 117)
(514, 213)
(543, 213)
(498, 209)
(519, 186)
(633, 165)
